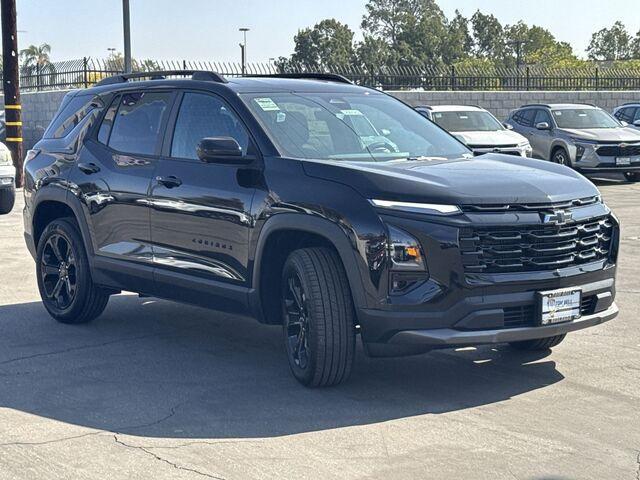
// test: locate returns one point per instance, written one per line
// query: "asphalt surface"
(155, 390)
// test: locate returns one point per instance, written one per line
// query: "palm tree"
(36, 59)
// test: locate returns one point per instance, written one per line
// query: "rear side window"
(204, 116)
(138, 122)
(71, 113)
(107, 121)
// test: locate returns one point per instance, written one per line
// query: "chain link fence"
(87, 71)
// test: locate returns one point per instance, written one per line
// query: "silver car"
(583, 137)
(629, 113)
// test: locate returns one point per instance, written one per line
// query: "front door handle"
(88, 168)
(169, 182)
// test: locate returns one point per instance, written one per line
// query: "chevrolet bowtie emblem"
(557, 217)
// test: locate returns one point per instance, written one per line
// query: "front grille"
(526, 248)
(526, 316)
(492, 147)
(531, 207)
(503, 152)
(618, 151)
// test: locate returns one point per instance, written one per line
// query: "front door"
(200, 212)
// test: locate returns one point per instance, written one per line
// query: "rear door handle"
(169, 182)
(88, 168)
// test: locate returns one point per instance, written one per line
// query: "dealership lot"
(154, 389)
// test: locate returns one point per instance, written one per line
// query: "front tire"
(538, 343)
(318, 323)
(7, 200)
(64, 279)
(632, 176)
(561, 157)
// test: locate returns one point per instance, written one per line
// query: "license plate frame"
(559, 306)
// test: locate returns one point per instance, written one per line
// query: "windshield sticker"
(266, 104)
(280, 117)
(557, 114)
(352, 112)
(437, 115)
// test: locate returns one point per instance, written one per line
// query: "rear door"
(200, 217)
(112, 179)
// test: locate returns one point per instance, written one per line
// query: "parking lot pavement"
(154, 389)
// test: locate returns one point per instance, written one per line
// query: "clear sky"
(208, 29)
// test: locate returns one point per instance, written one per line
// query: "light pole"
(243, 49)
(126, 23)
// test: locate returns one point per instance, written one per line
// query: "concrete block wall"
(501, 103)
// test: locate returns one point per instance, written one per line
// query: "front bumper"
(593, 161)
(7, 176)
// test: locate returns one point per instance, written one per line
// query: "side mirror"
(623, 123)
(508, 126)
(220, 150)
(543, 126)
(636, 123)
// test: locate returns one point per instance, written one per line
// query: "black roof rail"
(428, 107)
(201, 75)
(631, 103)
(535, 105)
(330, 77)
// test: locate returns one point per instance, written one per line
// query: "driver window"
(204, 116)
(542, 116)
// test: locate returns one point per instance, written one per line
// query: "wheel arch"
(52, 203)
(282, 234)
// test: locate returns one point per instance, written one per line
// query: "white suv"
(478, 129)
(7, 180)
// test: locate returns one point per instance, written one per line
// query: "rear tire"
(318, 318)
(632, 176)
(64, 279)
(7, 200)
(538, 343)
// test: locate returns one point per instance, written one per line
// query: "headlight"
(525, 145)
(5, 158)
(429, 208)
(405, 251)
(408, 265)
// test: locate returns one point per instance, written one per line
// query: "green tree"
(373, 53)
(414, 30)
(635, 47)
(613, 43)
(488, 36)
(36, 64)
(459, 43)
(536, 46)
(327, 43)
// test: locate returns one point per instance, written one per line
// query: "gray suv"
(583, 137)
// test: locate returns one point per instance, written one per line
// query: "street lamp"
(243, 49)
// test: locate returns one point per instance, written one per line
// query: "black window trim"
(163, 126)
(173, 119)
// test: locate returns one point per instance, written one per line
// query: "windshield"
(366, 126)
(472, 121)
(584, 118)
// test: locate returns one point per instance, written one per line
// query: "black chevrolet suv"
(311, 203)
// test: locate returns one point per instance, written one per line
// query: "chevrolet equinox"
(311, 203)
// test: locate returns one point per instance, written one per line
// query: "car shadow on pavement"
(160, 369)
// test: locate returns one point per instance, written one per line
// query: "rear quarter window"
(69, 115)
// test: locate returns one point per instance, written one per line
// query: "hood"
(491, 139)
(489, 179)
(622, 134)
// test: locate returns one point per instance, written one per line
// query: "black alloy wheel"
(59, 271)
(297, 321)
